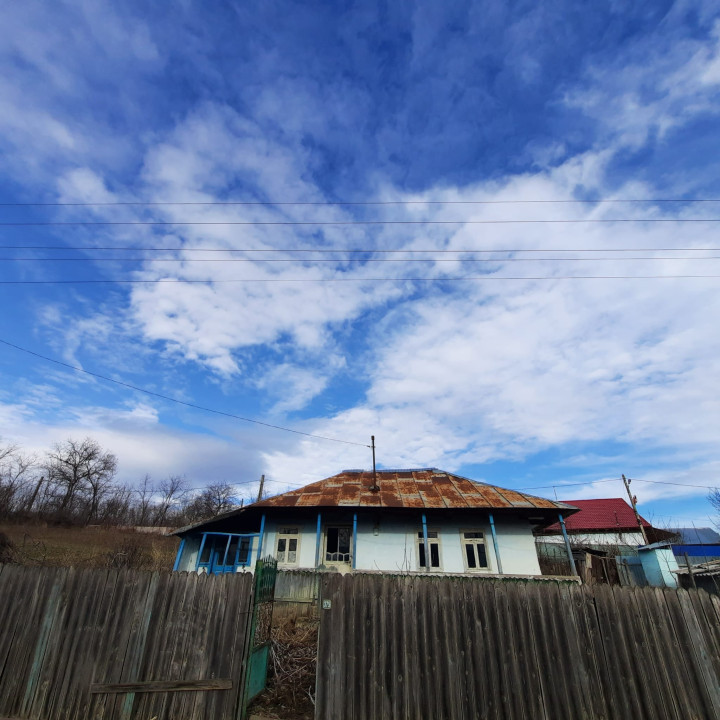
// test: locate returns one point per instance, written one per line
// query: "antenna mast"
(374, 487)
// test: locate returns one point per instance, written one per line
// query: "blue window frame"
(225, 552)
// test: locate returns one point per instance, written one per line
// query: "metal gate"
(260, 627)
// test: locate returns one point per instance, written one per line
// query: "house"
(418, 520)
(601, 523)
(701, 545)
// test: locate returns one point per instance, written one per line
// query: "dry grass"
(89, 547)
(290, 692)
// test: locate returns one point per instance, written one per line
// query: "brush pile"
(290, 691)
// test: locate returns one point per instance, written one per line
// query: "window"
(288, 542)
(474, 550)
(433, 548)
(337, 545)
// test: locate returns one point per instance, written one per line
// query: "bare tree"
(172, 492)
(17, 475)
(144, 505)
(714, 499)
(80, 472)
(212, 501)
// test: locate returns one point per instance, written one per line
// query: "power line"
(314, 223)
(330, 203)
(210, 281)
(595, 482)
(356, 260)
(666, 482)
(563, 485)
(181, 248)
(179, 402)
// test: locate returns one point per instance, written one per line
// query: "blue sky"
(469, 112)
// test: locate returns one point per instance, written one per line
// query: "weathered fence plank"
(157, 645)
(464, 648)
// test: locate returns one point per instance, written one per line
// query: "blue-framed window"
(225, 552)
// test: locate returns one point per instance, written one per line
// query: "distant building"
(701, 545)
(417, 520)
(603, 523)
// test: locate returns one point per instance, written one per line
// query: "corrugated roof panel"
(419, 489)
(452, 497)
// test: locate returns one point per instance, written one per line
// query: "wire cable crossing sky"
(485, 234)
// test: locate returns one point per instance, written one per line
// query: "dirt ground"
(32, 544)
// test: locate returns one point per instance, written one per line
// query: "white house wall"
(601, 538)
(390, 545)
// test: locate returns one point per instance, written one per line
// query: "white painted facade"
(392, 544)
(632, 539)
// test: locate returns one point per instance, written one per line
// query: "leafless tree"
(79, 472)
(144, 503)
(172, 492)
(714, 499)
(214, 500)
(17, 475)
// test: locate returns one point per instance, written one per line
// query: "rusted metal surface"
(426, 488)
(464, 648)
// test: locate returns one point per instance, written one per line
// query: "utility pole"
(633, 502)
(374, 487)
(262, 482)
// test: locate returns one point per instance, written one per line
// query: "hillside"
(32, 544)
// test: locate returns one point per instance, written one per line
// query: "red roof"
(597, 515)
(422, 488)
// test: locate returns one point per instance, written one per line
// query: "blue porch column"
(495, 544)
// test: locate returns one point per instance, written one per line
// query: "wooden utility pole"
(262, 482)
(633, 502)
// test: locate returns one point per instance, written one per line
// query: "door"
(338, 543)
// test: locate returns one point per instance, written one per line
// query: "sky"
(474, 230)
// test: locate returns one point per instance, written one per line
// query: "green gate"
(260, 627)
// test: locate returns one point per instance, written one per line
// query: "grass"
(86, 547)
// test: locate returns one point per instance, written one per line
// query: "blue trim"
(317, 541)
(495, 544)
(426, 545)
(176, 566)
(567, 545)
(262, 536)
(354, 540)
(200, 551)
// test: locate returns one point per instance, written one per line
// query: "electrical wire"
(336, 203)
(210, 281)
(315, 223)
(355, 260)
(179, 402)
(368, 251)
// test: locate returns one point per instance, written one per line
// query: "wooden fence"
(456, 648)
(296, 594)
(119, 645)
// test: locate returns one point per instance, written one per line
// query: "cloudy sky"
(473, 230)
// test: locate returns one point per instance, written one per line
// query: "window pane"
(474, 534)
(332, 540)
(244, 554)
(482, 555)
(232, 551)
(470, 554)
(344, 540)
(421, 554)
(205, 557)
(434, 555)
(293, 544)
(281, 545)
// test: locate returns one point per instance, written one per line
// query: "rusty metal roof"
(424, 488)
